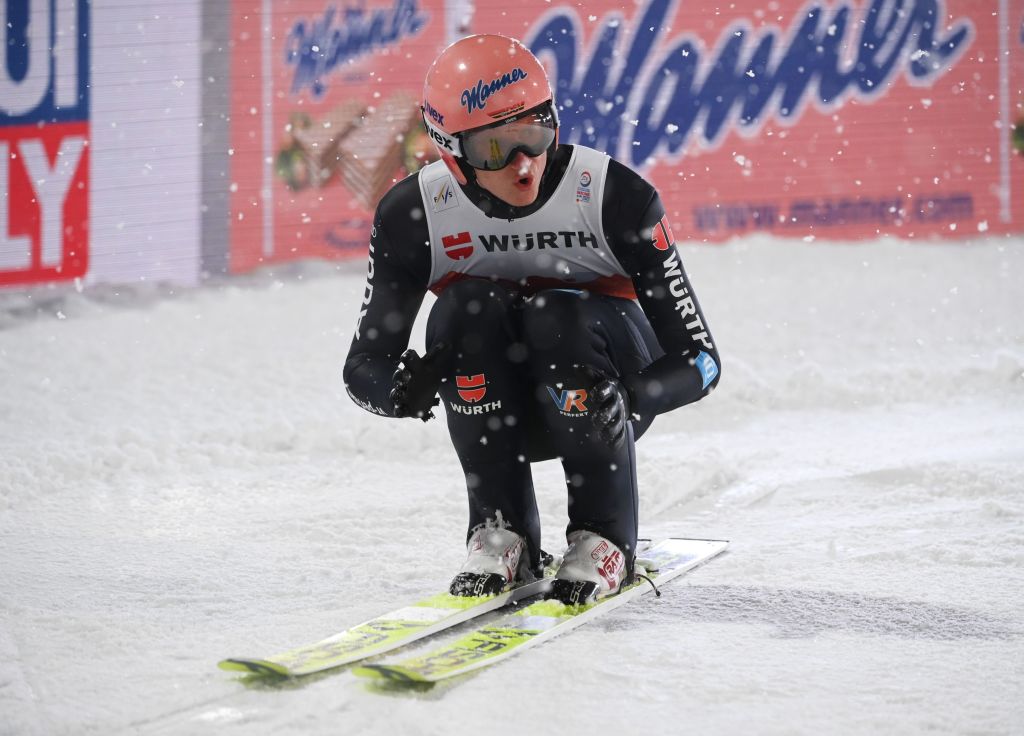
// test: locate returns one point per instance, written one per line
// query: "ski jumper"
(588, 276)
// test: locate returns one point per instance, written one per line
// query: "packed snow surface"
(183, 479)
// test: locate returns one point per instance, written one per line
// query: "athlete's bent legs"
(564, 330)
(486, 396)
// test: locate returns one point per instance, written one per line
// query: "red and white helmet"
(487, 81)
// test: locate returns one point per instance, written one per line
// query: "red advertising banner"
(829, 118)
(325, 118)
(44, 142)
(843, 119)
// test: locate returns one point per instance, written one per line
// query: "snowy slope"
(182, 478)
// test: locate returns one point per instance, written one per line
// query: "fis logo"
(458, 247)
(444, 196)
(471, 388)
(570, 402)
(44, 141)
(662, 235)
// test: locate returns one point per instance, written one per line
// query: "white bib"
(561, 245)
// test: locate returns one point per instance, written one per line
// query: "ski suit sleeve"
(638, 231)
(397, 273)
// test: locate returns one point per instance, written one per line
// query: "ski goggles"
(493, 147)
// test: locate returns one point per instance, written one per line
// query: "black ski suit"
(511, 386)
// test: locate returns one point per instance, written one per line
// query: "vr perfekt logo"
(570, 402)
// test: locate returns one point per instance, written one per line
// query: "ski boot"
(593, 567)
(493, 563)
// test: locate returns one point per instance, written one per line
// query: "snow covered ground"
(182, 478)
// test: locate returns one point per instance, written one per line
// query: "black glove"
(609, 406)
(414, 384)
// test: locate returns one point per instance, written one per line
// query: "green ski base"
(540, 621)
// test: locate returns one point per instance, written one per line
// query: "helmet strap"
(467, 171)
(549, 164)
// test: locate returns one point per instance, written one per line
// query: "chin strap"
(467, 171)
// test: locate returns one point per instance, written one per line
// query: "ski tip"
(254, 667)
(392, 673)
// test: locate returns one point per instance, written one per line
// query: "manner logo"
(475, 98)
(639, 93)
(317, 47)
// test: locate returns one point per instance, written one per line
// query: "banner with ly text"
(44, 141)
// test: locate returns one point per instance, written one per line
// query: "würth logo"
(539, 241)
(471, 388)
(458, 247)
(663, 239)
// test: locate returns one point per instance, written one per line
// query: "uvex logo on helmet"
(433, 113)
